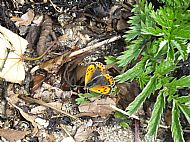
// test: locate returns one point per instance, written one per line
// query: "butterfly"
(96, 79)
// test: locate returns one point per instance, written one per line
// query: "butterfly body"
(96, 79)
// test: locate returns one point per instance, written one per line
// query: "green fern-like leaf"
(143, 79)
(165, 67)
(131, 53)
(184, 99)
(186, 111)
(176, 3)
(180, 83)
(152, 31)
(140, 99)
(131, 73)
(176, 128)
(182, 31)
(110, 60)
(181, 48)
(156, 116)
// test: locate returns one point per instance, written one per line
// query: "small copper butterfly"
(96, 79)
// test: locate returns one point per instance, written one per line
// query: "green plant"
(84, 98)
(123, 119)
(157, 41)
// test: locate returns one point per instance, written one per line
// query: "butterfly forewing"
(100, 66)
(89, 73)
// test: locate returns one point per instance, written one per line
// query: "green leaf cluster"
(156, 42)
(84, 98)
(123, 119)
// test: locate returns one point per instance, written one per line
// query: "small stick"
(134, 116)
(88, 48)
(124, 112)
(29, 99)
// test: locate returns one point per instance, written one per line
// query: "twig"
(63, 127)
(124, 112)
(54, 6)
(29, 99)
(99, 44)
(88, 48)
(134, 116)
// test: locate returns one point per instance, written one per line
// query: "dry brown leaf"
(13, 135)
(97, 108)
(41, 109)
(84, 131)
(37, 82)
(48, 93)
(25, 19)
(29, 99)
(80, 72)
(53, 65)
(63, 38)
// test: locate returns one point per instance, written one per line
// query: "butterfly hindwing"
(101, 89)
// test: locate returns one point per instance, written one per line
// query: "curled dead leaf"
(13, 135)
(97, 108)
(25, 19)
(84, 131)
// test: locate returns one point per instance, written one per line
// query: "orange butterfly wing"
(101, 89)
(95, 74)
(89, 73)
(100, 66)
(109, 78)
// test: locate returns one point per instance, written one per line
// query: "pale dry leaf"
(38, 20)
(25, 20)
(63, 38)
(20, 1)
(13, 69)
(13, 135)
(26, 116)
(12, 96)
(30, 119)
(18, 44)
(97, 108)
(13, 66)
(42, 122)
(15, 19)
(4, 52)
(48, 93)
(41, 109)
(84, 131)
(68, 139)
